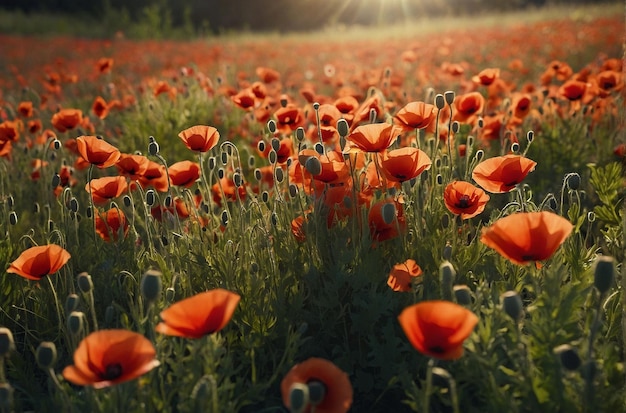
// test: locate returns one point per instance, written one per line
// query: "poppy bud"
(6, 341)
(6, 397)
(298, 398)
(455, 126)
(300, 133)
(127, 201)
(46, 355)
(604, 273)
(76, 322)
(373, 115)
(153, 148)
(201, 390)
(224, 218)
(470, 140)
(13, 218)
(279, 174)
(319, 148)
(479, 155)
(445, 221)
(317, 392)
(515, 147)
(388, 213)
(258, 174)
(439, 179)
(512, 305)
(220, 173)
(591, 216)
(447, 273)
(274, 219)
(447, 250)
(289, 162)
(440, 101)
(88, 212)
(85, 283)
(275, 144)
(56, 144)
(50, 225)
(313, 165)
(572, 181)
(150, 197)
(36, 208)
(224, 158)
(237, 179)
(271, 126)
(462, 294)
(74, 205)
(530, 136)
(56, 180)
(170, 294)
(272, 157)
(168, 201)
(343, 128)
(151, 285)
(109, 315)
(568, 357)
(293, 190)
(212, 163)
(449, 96)
(481, 122)
(265, 197)
(251, 161)
(254, 267)
(71, 303)
(261, 146)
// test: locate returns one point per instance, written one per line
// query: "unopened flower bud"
(74, 205)
(13, 218)
(568, 356)
(71, 303)
(440, 101)
(317, 392)
(572, 181)
(76, 322)
(447, 274)
(447, 251)
(604, 273)
(224, 218)
(298, 398)
(170, 294)
(56, 180)
(85, 283)
(46, 355)
(271, 126)
(300, 134)
(530, 136)
(512, 305)
(343, 128)
(515, 147)
(388, 213)
(455, 126)
(449, 96)
(127, 201)
(153, 148)
(150, 197)
(6, 341)
(151, 285)
(279, 174)
(224, 157)
(272, 157)
(293, 190)
(479, 155)
(462, 294)
(313, 166)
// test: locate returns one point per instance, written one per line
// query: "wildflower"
(109, 357)
(573, 90)
(404, 164)
(438, 328)
(100, 108)
(468, 107)
(106, 188)
(37, 262)
(200, 138)
(184, 173)
(202, 314)
(67, 119)
(329, 388)
(501, 173)
(486, 76)
(109, 224)
(464, 199)
(527, 236)
(154, 176)
(373, 137)
(97, 152)
(25, 109)
(104, 65)
(403, 274)
(267, 75)
(9, 131)
(415, 115)
(132, 166)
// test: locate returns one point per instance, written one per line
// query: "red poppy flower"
(267, 75)
(109, 224)
(289, 118)
(67, 119)
(373, 137)
(100, 108)
(527, 236)
(415, 115)
(468, 107)
(245, 99)
(464, 199)
(106, 188)
(486, 76)
(438, 328)
(337, 387)
(97, 152)
(25, 109)
(197, 316)
(9, 131)
(227, 186)
(37, 262)
(402, 275)
(155, 176)
(184, 173)
(404, 164)
(179, 209)
(104, 65)
(109, 357)
(200, 138)
(573, 90)
(501, 173)
(132, 166)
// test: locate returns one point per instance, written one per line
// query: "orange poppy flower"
(179, 209)
(5, 149)
(289, 118)
(109, 357)
(527, 236)
(402, 275)
(67, 119)
(104, 64)
(438, 328)
(97, 152)
(106, 188)
(501, 173)
(132, 166)
(468, 107)
(200, 138)
(573, 90)
(415, 115)
(25, 109)
(109, 223)
(464, 199)
(245, 99)
(100, 108)
(9, 131)
(267, 75)
(35, 126)
(230, 190)
(184, 173)
(37, 262)
(155, 176)
(373, 137)
(486, 76)
(404, 164)
(297, 228)
(337, 386)
(197, 316)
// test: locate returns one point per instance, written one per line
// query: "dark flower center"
(464, 202)
(436, 350)
(112, 371)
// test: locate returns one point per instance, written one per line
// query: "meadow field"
(420, 218)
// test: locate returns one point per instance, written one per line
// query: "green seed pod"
(71, 303)
(512, 305)
(572, 180)
(604, 273)
(462, 294)
(343, 128)
(153, 148)
(388, 213)
(317, 392)
(440, 101)
(313, 166)
(76, 322)
(13, 218)
(151, 285)
(271, 126)
(300, 134)
(568, 356)
(85, 283)
(298, 398)
(46, 355)
(449, 96)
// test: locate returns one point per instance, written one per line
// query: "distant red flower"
(97, 151)
(468, 107)
(37, 262)
(502, 173)
(267, 75)
(109, 224)
(200, 138)
(402, 275)
(573, 90)
(104, 65)
(464, 199)
(197, 316)
(100, 108)
(107, 188)
(338, 389)
(527, 236)
(184, 173)
(404, 164)
(25, 109)
(438, 328)
(67, 119)
(289, 118)
(109, 357)
(373, 137)
(9, 131)
(486, 76)
(245, 99)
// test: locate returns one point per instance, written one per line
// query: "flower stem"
(429, 385)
